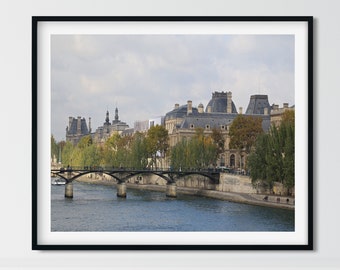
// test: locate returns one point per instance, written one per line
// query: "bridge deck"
(123, 174)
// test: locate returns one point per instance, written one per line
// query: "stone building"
(102, 133)
(183, 120)
(277, 113)
(76, 129)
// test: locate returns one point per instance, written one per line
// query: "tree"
(116, 151)
(54, 148)
(288, 117)
(273, 159)
(157, 143)
(218, 139)
(85, 142)
(196, 153)
(139, 155)
(258, 161)
(67, 154)
(178, 155)
(244, 131)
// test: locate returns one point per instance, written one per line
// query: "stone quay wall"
(232, 187)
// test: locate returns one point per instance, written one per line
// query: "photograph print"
(172, 133)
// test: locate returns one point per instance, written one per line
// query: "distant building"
(102, 133)
(145, 125)
(141, 126)
(76, 129)
(277, 113)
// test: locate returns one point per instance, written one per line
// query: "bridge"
(122, 175)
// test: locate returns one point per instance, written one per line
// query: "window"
(232, 160)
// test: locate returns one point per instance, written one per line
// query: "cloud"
(242, 44)
(145, 75)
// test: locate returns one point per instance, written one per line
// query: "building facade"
(108, 128)
(76, 129)
(220, 112)
(276, 113)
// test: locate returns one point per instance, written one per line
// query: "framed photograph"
(172, 133)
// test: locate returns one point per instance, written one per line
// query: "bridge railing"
(131, 169)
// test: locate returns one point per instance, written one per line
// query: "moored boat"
(58, 181)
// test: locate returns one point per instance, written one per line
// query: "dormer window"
(192, 126)
(207, 126)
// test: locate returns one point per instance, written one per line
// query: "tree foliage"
(244, 131)
(116, 151)
(218, 139)
(196, 153)
(273, 159)
(139, 153)
(54, 148)
(157, 143)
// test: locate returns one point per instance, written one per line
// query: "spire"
(116, 114)
(107, 119)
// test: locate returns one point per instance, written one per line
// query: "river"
(97, 208)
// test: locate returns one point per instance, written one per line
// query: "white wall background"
(15, 195)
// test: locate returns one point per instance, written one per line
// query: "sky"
(144, 76)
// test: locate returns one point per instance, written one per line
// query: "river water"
(97, 208)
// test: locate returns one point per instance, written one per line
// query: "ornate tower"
(116, 115)
(107, 119)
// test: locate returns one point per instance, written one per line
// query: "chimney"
(176, 106)
(209, 109)
(89, 124)
(229, 102)
(285, 105)
(200, 108)
(240, 110)
(189, 111)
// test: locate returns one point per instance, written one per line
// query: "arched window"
(232, 160)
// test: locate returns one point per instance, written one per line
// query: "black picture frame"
(37, 126)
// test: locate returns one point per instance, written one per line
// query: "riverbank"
(252, 199)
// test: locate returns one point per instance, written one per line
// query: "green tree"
(258, 161)
(116, 151)
(54, 148)
(90, 156)
(84, 142)
(157, 143)
(139, 154)
(178, 155)
(273, 159)
(67, 154)
(197, 152)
